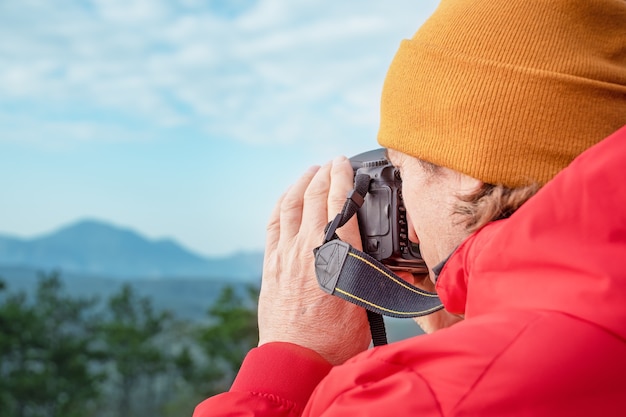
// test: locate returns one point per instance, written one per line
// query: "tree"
(70, 356)
(131, 335)
(47, 353)
(232, 331)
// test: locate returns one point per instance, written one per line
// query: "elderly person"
(483, 112)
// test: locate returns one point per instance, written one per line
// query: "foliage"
(47, 354)
(231, 334)
(130, 335)
(69, 356)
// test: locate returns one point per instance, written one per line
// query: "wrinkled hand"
(292, 307)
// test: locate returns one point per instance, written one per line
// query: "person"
(506, 121)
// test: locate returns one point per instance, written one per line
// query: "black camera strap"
(362, 280)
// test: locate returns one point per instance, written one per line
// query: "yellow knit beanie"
(509, 92)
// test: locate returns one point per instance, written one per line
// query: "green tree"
(232, 331)
(208, 360)
(67, 356)
(133, 335)
(18, 339)
(48, 353)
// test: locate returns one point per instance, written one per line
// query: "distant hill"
(187, 298)
(99, 249)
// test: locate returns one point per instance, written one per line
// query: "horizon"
(184, 120)
(124, 228)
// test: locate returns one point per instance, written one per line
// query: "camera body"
(382, 217)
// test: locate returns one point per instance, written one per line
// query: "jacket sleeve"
(275, 379)
(282, 379)
(379, 388)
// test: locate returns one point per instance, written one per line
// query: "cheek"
(424, 211)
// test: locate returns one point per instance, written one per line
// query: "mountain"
(100, 249)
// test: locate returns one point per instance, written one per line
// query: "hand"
(434, 321)
(292, 307)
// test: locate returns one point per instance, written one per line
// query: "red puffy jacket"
(544, 295)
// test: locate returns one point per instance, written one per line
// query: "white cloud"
(267, 75)
(130, 11)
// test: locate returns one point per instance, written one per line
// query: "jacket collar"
(451, 275)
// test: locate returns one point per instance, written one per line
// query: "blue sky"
(184, 119)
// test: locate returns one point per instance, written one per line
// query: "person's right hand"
(292, 307)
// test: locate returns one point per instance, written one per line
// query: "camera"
(382, 217)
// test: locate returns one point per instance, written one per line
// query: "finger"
(291, 207)
(273, 226)
(406, 275)
(342, 181)
(315, 211)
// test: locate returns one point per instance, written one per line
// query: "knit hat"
(509, 92)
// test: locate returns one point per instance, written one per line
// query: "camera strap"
(360, 279)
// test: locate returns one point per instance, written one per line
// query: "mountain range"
(99, 249)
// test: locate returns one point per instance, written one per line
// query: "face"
(430, 194)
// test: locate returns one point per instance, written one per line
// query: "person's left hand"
(434, 321)
(292, 307)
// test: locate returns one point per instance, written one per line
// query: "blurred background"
(183, 119)
(143, 144)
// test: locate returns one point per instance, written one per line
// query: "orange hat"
(509, 92)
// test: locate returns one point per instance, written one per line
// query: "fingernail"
(314, 168)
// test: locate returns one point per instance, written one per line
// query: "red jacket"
(544, 294)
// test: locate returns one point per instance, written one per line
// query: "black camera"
(382, 217)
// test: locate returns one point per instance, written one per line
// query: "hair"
(491, 202)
